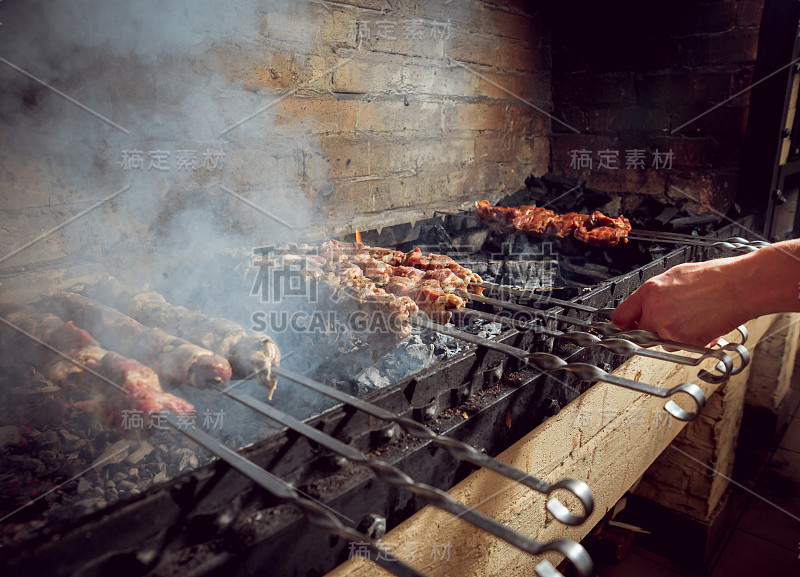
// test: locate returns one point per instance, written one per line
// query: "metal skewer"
(529, 294)
(585, 371)
(736, 243)
(605, 312)
(732, 243)
(619, 346)
(314, 513)
(433, 496)
(461, 451)
(609, 329)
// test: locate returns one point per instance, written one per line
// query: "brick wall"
(364, 113)
(633, 77)
(406, 105)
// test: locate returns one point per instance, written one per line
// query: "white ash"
(484, 329)
(411, 356)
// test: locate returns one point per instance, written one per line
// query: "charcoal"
(193, 461)
(42, 411)
(51, 459)
(111, 470)
(441, 351)
(556, 182)
(529, 274)
(592, 272)
(85, 449)
(535, 185)
(48, 439)
(592, 199)
(125, 486)
(694, 221)
(8, 436)
(342, 365)
(411, 356)
(140, 453)
(113, 454)
(435, 236)
(83, 486)
(444, 346)
(87, 506)
(372, 379)
(522, 196)
(25, 463)
(667, 215)
(484, 329)
(419, 353)
(69, 437)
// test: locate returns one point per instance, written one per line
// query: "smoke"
(155, 96)
(155, 103)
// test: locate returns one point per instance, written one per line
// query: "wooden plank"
(678, 480)
(607, 437)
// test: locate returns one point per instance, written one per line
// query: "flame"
(358, 236)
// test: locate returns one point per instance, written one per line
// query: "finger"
(628, 313)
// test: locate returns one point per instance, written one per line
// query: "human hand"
(693, 303)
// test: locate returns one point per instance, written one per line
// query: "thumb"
(628, 312)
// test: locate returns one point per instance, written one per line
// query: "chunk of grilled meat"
(251, 355)
(595, 229)
(175, 360)
(70, 357)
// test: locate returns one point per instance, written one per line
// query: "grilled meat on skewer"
(595, 229)
(345, 284)
(336, 250)
(391, 283)
(248, 354)
(432, 290)
(357, 301)
(118, 383)
(174, 360)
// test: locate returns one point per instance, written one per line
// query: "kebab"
(346, 284)
(432, 290)
(595, 229)
(336, 250)
(249, 355)
(70, 356)
(174, 360)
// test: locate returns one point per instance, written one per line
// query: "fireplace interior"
(210, 157)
